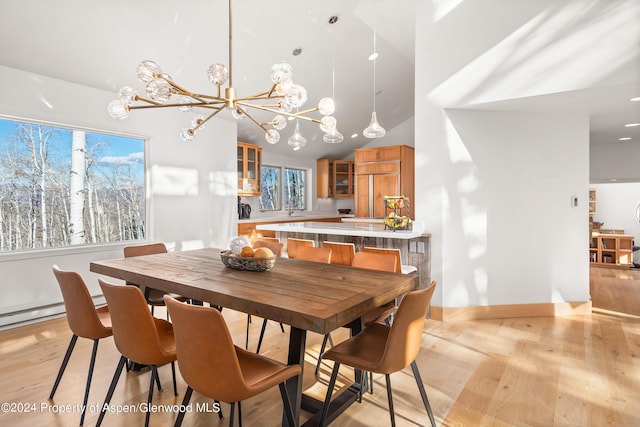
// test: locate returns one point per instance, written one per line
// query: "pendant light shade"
(374, 130)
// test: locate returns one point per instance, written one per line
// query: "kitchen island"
(414, 246)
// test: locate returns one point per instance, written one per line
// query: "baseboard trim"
(510, 310)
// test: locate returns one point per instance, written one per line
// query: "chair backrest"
(276, 247)
(405, 336)
(206, 355)
(268, 239)
(134, 329)
(146, 249)
(374, 261)
(310, 253)
(81, 313)
(341, 253)
(294, 244)
(388, 251)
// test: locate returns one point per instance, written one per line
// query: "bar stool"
(401, 268)
(341, 253)
(294, 244)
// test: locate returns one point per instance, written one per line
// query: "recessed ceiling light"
(373, 56)
(355, 135)
(626, 138)
(630, 125)
(636, 99)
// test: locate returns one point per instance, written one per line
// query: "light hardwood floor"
(546, 371)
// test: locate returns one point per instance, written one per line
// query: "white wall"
(185, 214)
(494, 189)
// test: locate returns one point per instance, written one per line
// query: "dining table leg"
(297, 343)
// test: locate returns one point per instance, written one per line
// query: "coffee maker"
(244, 210)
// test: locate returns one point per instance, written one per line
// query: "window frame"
(281, 187)
(98, 246)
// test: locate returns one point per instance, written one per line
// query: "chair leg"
(370, 382)
(232, 413)
(246, 341)
(288, 410)
(327, 399)
(173, 374)
(423, 393)
(239, 414)
(282, 327)
(154, 374)
(112, 387)
(185, 402)
(89, 376)
(390, 398)
(322, 347)
(63, 366)
(264, 327)
(157, 381)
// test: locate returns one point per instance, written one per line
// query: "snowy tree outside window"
(294, 188)
(63, 187)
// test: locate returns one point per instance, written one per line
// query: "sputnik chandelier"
(283, 99)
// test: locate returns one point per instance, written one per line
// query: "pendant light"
(332, 136)
(374, 130)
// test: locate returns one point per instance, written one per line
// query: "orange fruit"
(247, 251)
(263, 253)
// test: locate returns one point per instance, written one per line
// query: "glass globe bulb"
(272, 136)
(281, 72)
(285, 107)
(218, 74)
(183, 99)
(374, 130)
(118, 109)
(148, 70)
(159, 90)
(328, 124)
(296, 96)
(197, 121)
(237, 114)
(333, 137)
(127, 94)
(326, 106)
(279, 122)
(187, 134)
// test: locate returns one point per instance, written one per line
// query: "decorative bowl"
(237, 262)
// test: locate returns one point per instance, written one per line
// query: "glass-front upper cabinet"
(334, 178)
(249, 169)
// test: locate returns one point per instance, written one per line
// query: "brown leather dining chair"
(386, 349)
(213, 366)
(369, 261)
(400, 268)
(139, 337)
(153, 296)
(84, 320)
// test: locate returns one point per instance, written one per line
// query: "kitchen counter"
(342, 229)
(414, 245)
(295, 217)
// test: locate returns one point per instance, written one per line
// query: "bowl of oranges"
(245, 257)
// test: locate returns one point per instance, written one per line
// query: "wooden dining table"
(308, 296)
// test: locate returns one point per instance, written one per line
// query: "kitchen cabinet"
(334, 178)
(249, 169)
(380, 172)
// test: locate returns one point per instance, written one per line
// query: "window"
(62, 186)
(270, 197)
(283, 193)
(294, 186)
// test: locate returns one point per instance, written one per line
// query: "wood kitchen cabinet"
(249, 169)
(334, 178)
(380, 172)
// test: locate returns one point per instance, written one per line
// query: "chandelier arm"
(243, 111)
(197, 105)
(284, 113)
(209, 117)
(260, 95)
